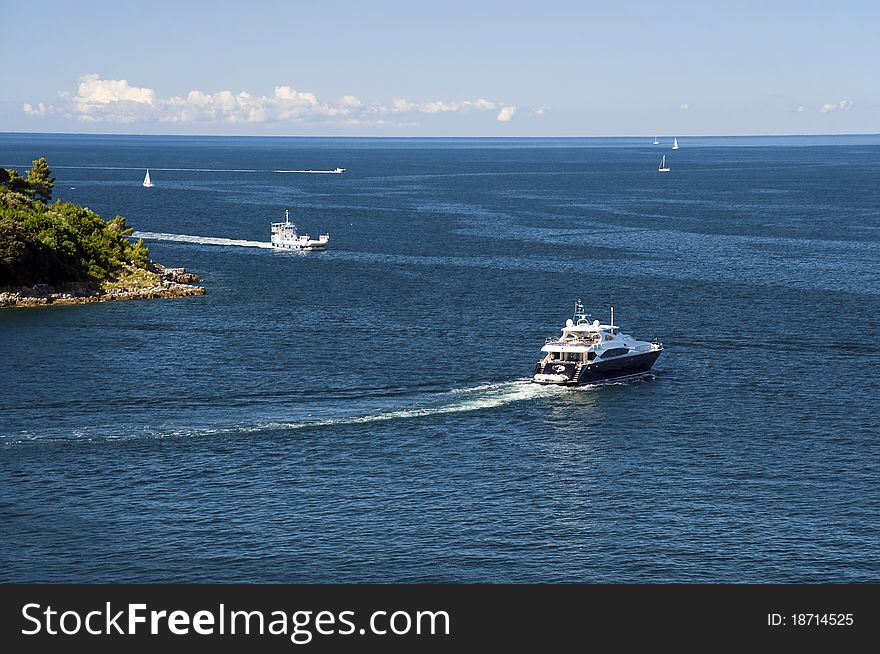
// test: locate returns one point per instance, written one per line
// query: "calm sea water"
(365, 415)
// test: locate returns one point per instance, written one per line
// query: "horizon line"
(446, 136)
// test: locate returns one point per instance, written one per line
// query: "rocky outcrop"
(155, 282)
(174, 275)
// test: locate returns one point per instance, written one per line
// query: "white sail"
(663, 167)
(656, 142)
(675, 144)
(147, 182)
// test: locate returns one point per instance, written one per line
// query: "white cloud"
(505, 114)
(350, 101)
(801, 109)
(540, 111)
(222, 106)
(684, 106)
(117, 101)
(400, 106)
(403, 106)
(94, 90)
(435, 107)
(31, 110)
(828, 107)
(113, 100)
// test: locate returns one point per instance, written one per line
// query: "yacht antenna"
(612, 317)
(579, 315)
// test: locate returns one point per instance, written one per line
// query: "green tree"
(13, 181)
(58, 242)
(40, 180)
(25, 260)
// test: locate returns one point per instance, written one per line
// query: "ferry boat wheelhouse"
(590, 352)
(285, 237)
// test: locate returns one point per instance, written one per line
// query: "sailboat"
(147, 181)
(664, 167)
(675, 144)
(656, 142)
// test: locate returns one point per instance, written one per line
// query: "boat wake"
(183, 170)
(310, 172)
(457, 400)
(201, 240)
(189, 170)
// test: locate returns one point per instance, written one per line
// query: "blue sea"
(365, 414)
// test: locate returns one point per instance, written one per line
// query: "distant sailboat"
(675, 144)
(147, 181)
(664, 167)
(656, 142)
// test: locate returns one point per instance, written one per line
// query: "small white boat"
(339, 170)
(675, 144)
(664, 167)
(285, 237)
(656, 142)
(147, 181)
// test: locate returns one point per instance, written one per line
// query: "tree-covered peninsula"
(58, 252)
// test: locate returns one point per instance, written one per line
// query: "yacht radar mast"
(580, 317)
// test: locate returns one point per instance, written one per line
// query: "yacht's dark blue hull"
(597, 371)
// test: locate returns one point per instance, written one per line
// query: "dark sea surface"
(365, 414)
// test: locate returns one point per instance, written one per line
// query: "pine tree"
(11, 180)
(40, 180)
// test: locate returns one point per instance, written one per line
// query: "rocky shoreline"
(156, 281)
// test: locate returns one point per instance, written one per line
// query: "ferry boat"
(589, 352)
(285, 237)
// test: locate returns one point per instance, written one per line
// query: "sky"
(445, 68)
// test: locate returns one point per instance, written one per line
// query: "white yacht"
(656, 142)
(338, 170)
(664, 167)
(147, 181)
(675, 144)
(285, 237)
(589, 352)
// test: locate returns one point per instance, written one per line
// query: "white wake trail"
(459, 400)
(456, 400)
(309, 172)
(192, 170)
(201, 240)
